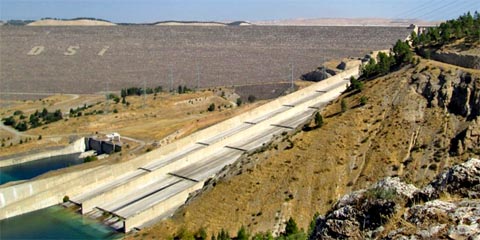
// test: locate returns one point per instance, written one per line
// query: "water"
(32, 169)
(54, 223)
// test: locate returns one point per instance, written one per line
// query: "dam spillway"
(153, 185)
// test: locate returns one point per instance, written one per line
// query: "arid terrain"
(151, 121)
(403, 130)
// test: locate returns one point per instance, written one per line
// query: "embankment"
(76, 147)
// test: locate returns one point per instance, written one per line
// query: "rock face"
(463, 60)
(362, 213)
(462, 180)
(370, 213)
(458, 93)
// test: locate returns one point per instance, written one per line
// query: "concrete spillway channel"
(150, 187)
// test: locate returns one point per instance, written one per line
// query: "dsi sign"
(70, 51)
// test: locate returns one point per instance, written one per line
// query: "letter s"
(72, 50)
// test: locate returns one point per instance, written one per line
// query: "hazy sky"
(221, 10)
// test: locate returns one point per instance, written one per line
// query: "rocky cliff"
(448, 207)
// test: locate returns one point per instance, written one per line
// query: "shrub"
(21, 126)
(251, 98)
(291, 227)
(211, 108)
(380, 193)
(9, 121)
(363, 101)
(242, 234)
(90, 159)
(17, 112)
(239, 102)
(318, 120)
(355, 84)
(343, 105)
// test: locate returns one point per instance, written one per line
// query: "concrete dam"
(150, 187)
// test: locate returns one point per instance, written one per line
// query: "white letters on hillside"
(70, 51)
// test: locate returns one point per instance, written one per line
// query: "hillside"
(416, 122)
(79, 22)
(346, 22)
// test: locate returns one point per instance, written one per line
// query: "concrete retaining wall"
(159, 208)
(76, 147)
(467, 61)
(50, 191)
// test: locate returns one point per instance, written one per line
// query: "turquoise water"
(32, 169)
(54, 223)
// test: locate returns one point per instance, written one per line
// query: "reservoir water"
(54, 223)
(32, 169)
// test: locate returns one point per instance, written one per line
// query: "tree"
(363, 100)
(201, 234)
(9, 121)
(291, 228)
(385, 62)
(44, 113)
(313, 224)
(21, 126)
(370, 68)
(402, 52)
(242, 234)
(223, 235)
(343, 105)
(414, 38)
(239, 102)
(211, 108)
(318, 120)
(355, 84)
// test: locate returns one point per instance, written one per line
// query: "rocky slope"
(448, 207)
(416, 123)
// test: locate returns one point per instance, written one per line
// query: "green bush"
(380, 193)
(90, 159)
(211, 108)
(343, 105)
(363, 101)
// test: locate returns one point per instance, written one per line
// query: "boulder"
(462, 179)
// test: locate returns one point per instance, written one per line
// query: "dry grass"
(351, 151)
(162, 118)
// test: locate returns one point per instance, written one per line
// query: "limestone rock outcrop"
(459, 93)
(391, 209)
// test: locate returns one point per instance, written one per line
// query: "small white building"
(113, 136)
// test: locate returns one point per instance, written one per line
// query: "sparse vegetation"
(363, 100)
(211, 108)
(465, 27)
(90, 159)
(343, 105)
(37, 119)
